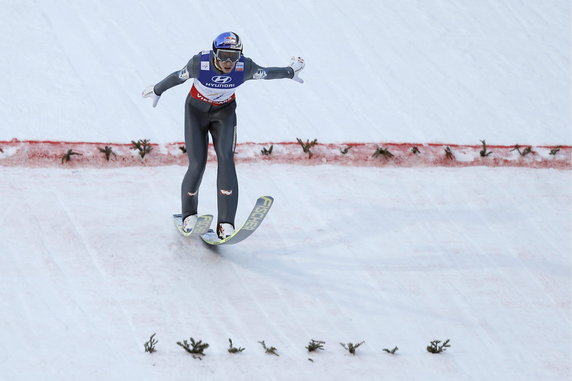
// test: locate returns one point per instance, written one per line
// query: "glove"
(149, 92)
(297, 64)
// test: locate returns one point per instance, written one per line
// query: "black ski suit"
(207, 110)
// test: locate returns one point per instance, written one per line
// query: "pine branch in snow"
(484, 152)
(391, 351)
(314, 345)
(449, 153)
(434, 347)
(345, 150)
(306, 147)
(108, 151)
(143, 146)
(232, 349)
(68, 155)
(269, 350)
(380, 151)
(351, 347)
(267, 152)
(150, 345)
(524, 152)
(194, 347)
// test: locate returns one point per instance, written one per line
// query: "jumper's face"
(226, 59)
(225, 66)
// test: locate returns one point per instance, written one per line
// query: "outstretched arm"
(176, 78)
(291, 71)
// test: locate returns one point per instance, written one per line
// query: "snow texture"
(412, 71)
(92, 266)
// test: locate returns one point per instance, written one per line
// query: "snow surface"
(91, 264)
(418, 71)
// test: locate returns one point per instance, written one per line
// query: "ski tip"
(267, 200)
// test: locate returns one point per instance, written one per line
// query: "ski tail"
(202, 225)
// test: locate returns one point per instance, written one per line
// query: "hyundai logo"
(221, 79)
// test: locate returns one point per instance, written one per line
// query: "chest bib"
(215, 87)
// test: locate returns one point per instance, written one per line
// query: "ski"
(201, 227)
(252, 223)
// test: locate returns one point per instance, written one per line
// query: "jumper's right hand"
(149, 92)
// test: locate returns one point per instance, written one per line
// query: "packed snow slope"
(417, 71)
(92, 266)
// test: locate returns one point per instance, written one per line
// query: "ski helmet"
(227, 40)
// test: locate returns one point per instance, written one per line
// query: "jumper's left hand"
(297, 64)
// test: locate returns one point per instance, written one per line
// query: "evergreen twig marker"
(150, 345)
(351, 347)
(267, 152)
(143, 146)
(108, 151)
(437, 347)
(233, 349)
(314, 345)
(391, 351)
(68, 155)
(484, 152)
(449, 153)
(269, 350)
(524, 152)
(306, 147)
(194, 347)
(380, 151)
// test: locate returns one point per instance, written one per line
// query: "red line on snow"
(48, 153)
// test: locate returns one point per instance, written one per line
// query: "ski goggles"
(228, 55)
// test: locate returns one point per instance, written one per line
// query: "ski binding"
(201, 227)
(260, 210)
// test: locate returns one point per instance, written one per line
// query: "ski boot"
(224, 230)
(189, 222)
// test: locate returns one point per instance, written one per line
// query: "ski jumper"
(210, 108)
